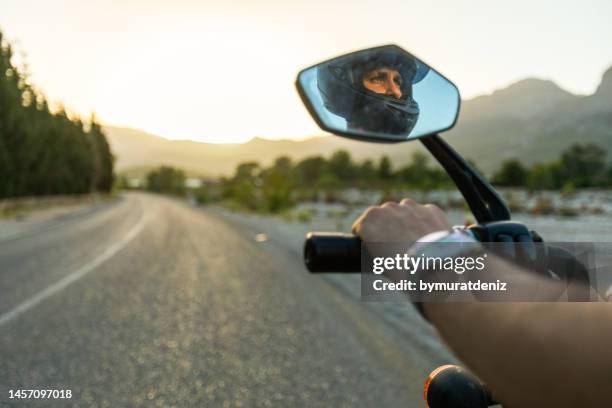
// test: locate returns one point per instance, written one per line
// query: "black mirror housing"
(381, 94)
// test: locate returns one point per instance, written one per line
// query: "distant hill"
(137, 151)
(533, 120)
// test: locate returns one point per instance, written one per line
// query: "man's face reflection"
(385, 81)
(372, 91)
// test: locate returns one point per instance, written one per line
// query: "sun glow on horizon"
(224, 73)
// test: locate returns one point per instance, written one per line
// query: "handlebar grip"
(332, 252)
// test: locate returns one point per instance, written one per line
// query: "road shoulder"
(38, 216)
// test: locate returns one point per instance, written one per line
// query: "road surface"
(150, 302)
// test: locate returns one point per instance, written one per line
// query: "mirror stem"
(486, 204)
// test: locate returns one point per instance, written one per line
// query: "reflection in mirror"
(382, 93)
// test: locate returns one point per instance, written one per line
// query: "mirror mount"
(486, 204)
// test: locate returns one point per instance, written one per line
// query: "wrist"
(443, 244)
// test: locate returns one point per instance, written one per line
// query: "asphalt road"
(149, 302)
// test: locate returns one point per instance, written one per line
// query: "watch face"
(435, 236)
(458, 237)
(445, 244)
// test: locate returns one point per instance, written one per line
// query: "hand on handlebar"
(404, 223)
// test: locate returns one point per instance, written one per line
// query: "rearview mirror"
(379, 94)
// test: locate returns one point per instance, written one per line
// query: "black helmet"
(341, 85)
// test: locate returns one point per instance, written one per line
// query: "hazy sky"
(223, 71)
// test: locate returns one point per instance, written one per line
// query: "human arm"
(529, 354)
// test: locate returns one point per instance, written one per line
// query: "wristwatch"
(461, 243)
(427, 244)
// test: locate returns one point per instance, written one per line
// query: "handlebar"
(326, 252)
(332, 252)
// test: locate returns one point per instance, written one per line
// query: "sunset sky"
(221, 71)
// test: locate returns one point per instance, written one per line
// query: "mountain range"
(532, 120)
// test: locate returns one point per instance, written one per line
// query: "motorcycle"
(387, 95)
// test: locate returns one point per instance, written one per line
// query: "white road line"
(74, 276)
